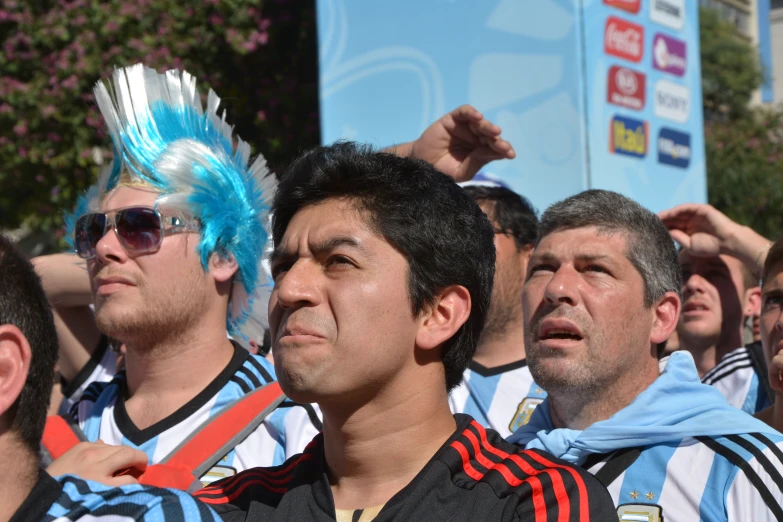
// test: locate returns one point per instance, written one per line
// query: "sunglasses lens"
(87, 232)
(139, 229)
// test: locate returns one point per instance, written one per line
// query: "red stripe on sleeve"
(224, 486)
(584, 509)
(245, 484)
(557, 481)
(466, 465)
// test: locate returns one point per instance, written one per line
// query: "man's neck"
(707, 353)
(499, 350)
(20, 473)
(375, 450)
(579, 410)
(162, 377)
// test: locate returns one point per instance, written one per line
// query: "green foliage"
(745, 169)
(261, 60)
(743, 145)
(730, 68)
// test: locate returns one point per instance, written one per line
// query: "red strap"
(58, 436)
(166, 476)
(177, 471)
(224, 427)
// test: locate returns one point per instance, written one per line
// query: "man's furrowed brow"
(281, 253)
(335, 242)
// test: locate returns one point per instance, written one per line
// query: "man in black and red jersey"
(383, 271)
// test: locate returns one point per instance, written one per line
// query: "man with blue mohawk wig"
(173, 236)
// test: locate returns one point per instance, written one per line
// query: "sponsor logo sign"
(672, 101)
(628, 136)
(674, 148)
(670, 13)
(632, 6)
(669, 54)
(624, 39)
(626, 88)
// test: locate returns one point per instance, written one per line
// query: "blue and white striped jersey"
(501, 398)
(733, 478)
(70, 498)
(738, 380)
(101, 415)
(101, 367)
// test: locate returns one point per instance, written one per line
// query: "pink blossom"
(72, 82)
(261, 115)
(39, 178)
(48, 110)
(53, 137)
(22, 152)
(6, 109)
(112, 26)
(20, 129)
(216, 19)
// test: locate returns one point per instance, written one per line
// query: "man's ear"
(15, 358)
(222, 267)
(442, 320)
(752, 304)
(667, 314)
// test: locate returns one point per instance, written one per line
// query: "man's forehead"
(584, 242)
(721, 261)
(316, 224)
(774, 280)
(126, 196)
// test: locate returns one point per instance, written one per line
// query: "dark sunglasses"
(139, 229)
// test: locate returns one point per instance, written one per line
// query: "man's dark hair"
(651, 249)
(511, 212)
(774, 257)
(442, 233)
(24, 305)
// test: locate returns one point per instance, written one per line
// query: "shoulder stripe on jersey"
(475, 433)
(311, 414)
(260, 369)
(228, 489)
(753, 477)
(313, 417)
(726, 362)
(771, 445)
(770, 468)
(251, 377)
(727, 373)
(242, 384)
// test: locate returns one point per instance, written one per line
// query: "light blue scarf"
(674, 407)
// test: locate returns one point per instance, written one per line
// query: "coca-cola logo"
(624, 39)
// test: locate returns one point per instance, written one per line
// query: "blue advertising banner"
(573, 83)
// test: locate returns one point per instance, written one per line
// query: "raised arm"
(706, 231)
(458, 144)
(67, 286)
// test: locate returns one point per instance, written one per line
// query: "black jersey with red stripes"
(475, 475)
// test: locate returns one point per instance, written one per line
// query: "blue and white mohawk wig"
(164, 139)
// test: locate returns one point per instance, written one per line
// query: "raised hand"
(459, 144)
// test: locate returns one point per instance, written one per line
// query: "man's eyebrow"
(280, 253)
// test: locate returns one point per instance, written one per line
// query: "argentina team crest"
(524, 412)
(640, 513)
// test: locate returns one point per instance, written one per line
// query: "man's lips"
(106, 285)
(299, 334)
(558, 329)
(694, 307)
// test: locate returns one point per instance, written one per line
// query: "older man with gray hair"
(602, 295)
